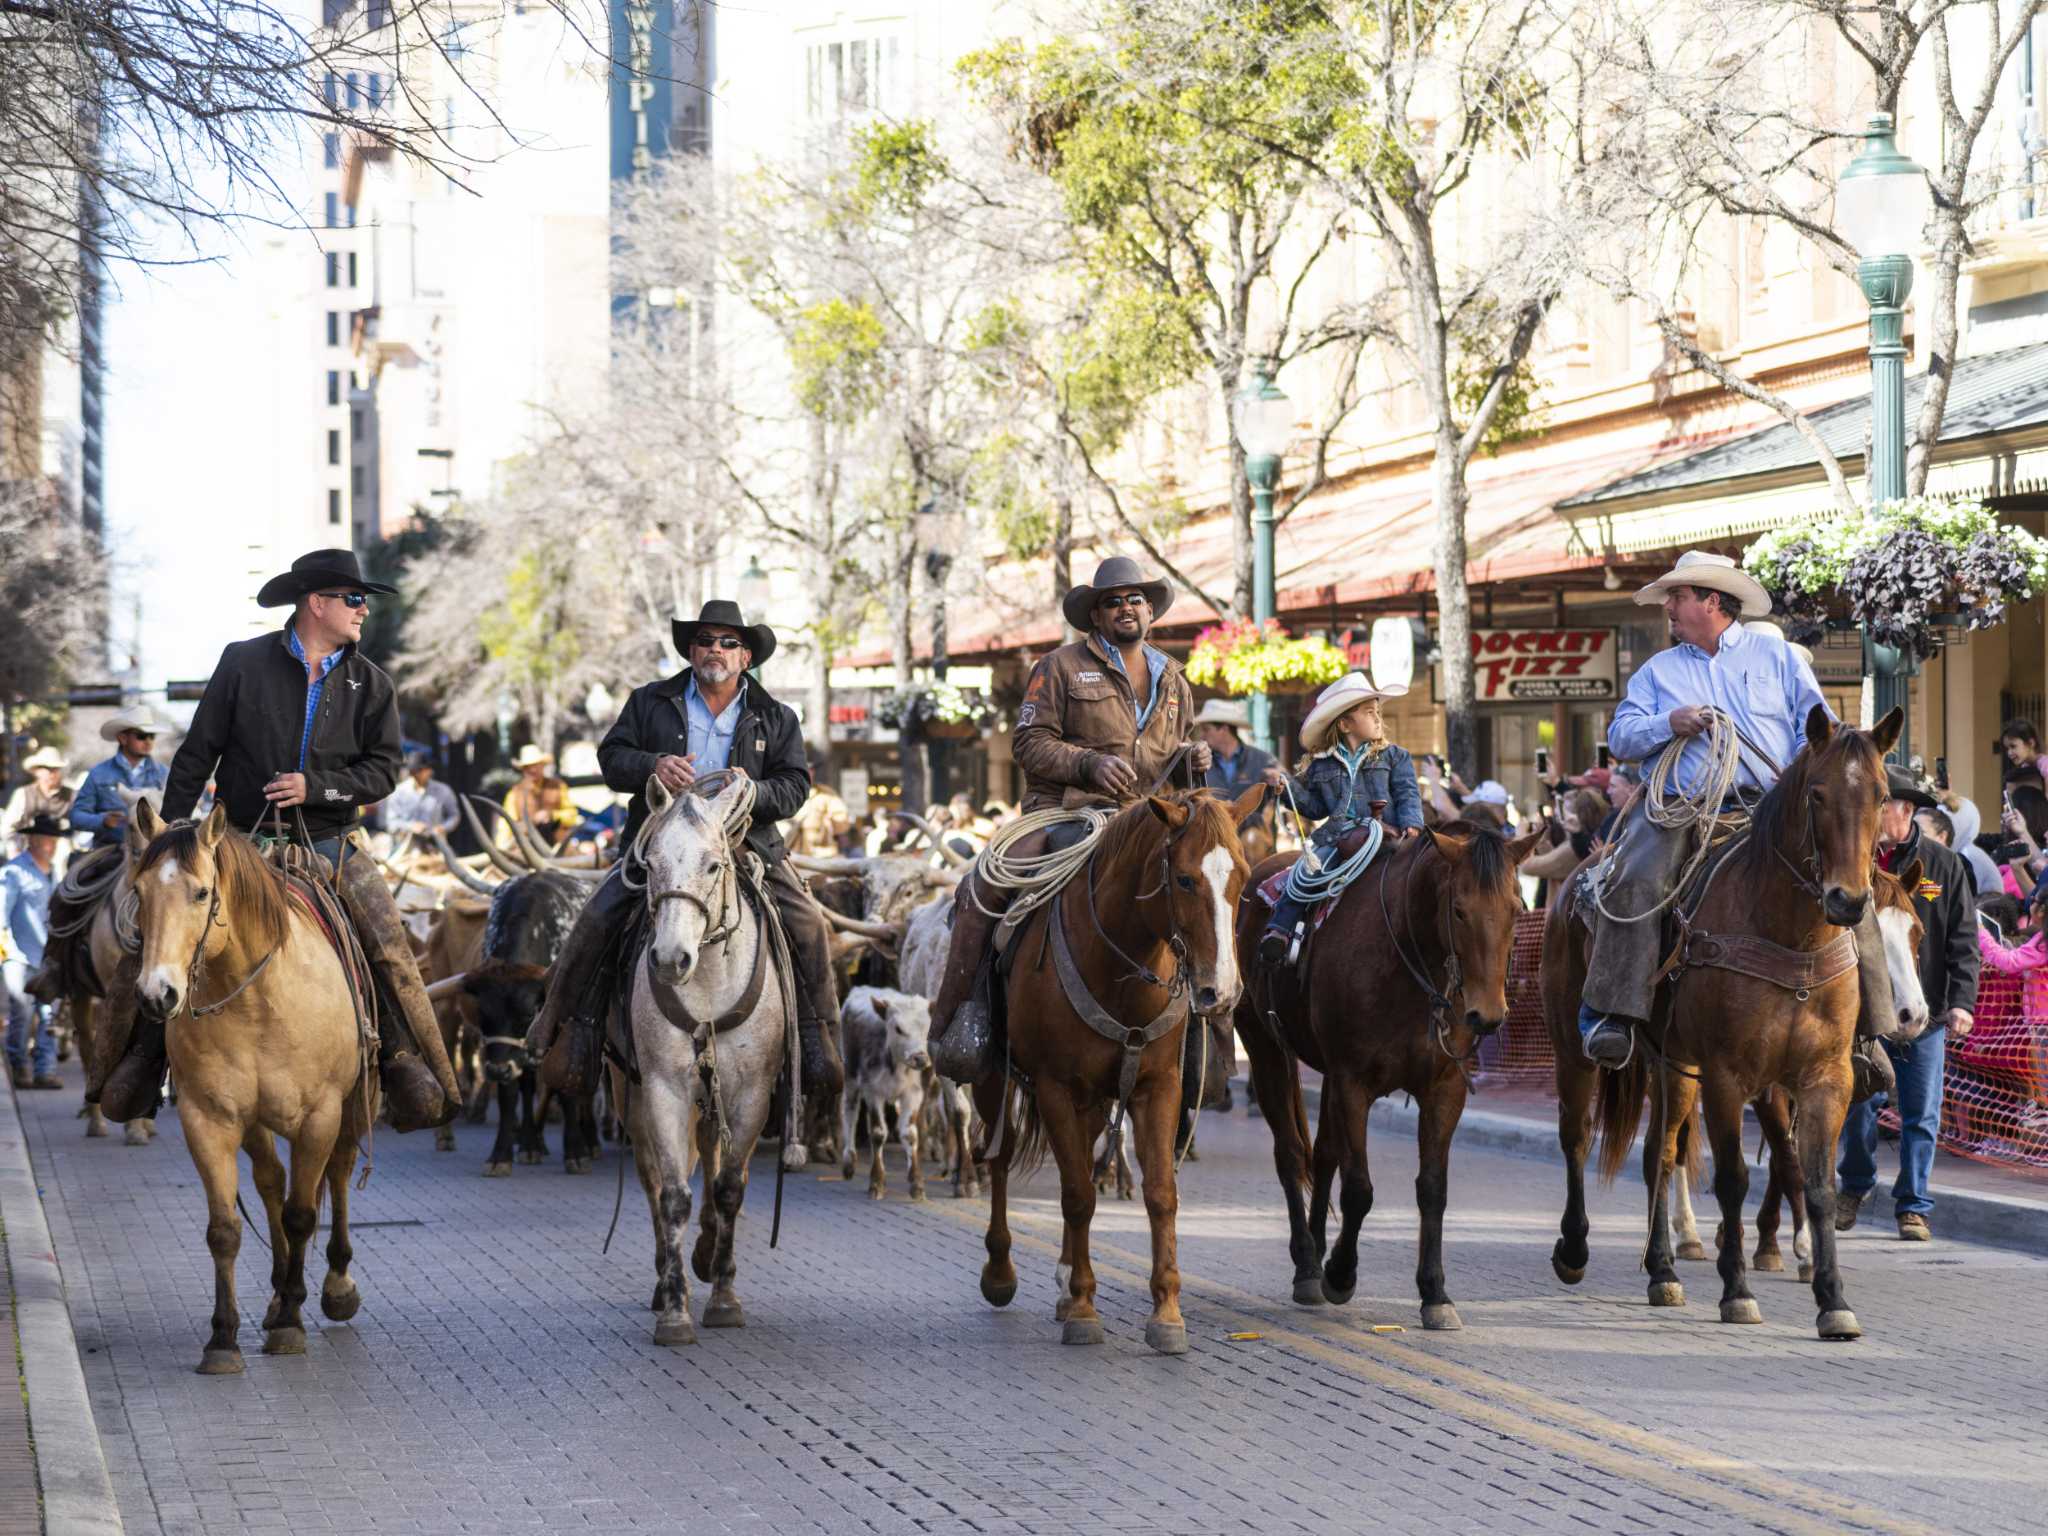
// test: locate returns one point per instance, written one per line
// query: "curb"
(78, 1495)
(1993, 1220)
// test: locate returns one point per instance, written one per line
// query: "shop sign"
(852, 716)
(1518, 666)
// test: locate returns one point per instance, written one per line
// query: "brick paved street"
(500, 1376)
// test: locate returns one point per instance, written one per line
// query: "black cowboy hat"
(322, 568)
(758, 638)
(43, 824)
(1115, 572)
(1901, 785)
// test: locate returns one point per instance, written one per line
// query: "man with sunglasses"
(299, 731)
(1100, 723)
(99, 808)
(707, 718)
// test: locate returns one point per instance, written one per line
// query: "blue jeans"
(24, 1014)
(1918, 1066)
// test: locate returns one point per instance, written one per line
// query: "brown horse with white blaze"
(1098, 1005)
(1406, 974)
(264, 1042)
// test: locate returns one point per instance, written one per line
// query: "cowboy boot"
(565, 1035)
(134, 1088)
(962, 1041)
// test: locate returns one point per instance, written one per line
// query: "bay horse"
(1802, 877)
(1372, 1018)
(712, 1036)
(1106, 975)
(264, 1041)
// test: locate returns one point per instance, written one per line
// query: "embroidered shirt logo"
(336, 794)
(1927, 890)
(352, 682)
(1087, 677)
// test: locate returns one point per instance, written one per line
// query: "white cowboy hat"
(1489, 792)
(1697, 568)
(44, 757)
(140, 718)
(1348, 692)
(531, 754)
(1225, 712)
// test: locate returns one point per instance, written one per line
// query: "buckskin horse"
(1098, 1005)
(1783, 1015)
(1372, 1017)
(265, 1041)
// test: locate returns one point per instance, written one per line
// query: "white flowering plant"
(1897, 565)
(941, 703)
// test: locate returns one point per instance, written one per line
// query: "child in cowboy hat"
(1353, 774)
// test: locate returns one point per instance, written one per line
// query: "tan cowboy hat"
(1225, 712)
(140, 718)
(531, 754)
(1116, 572)
(1697, 568)
(45, 757)
(1348, 692)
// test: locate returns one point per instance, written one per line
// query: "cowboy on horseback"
(1102, 719)
(1719, 673)
(301, 724)
(709, 717)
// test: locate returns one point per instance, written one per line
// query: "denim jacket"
(1340, 792)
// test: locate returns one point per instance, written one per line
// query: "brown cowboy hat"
(321, 568)
(757, 638)
(1116, 572)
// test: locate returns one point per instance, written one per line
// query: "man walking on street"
(1948, 975)
(45, 794)
(25, 887)
(99, 808)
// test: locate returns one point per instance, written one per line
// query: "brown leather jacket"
(1077, 706)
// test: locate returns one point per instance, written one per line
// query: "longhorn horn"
(810, 864)
(952, 855)
(448, 986)
(536, 851)
(491, 850)
(460, 870)
(887, 932)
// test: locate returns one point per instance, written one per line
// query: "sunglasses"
(141, 735)
(353, 599)
(718, 642)
(1123, 600)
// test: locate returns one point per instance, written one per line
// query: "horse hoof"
(1061, 1308)
(997, 1293)
(221, 1362)
(1441, 1317)
(1308, 1291)
(1334, 1294)
(338, 1305)
(285, 1341)
(877, 1192)
(531, 1159)
(497, 1170)
(1167, 1338)
(1570, 1274)
(1082, 1330)
(576, 1165)
(1806, 1274)
(137, 1133)
(846, 1172)
(1839, 1324)
(1741, 1309)
(917, 1197)
(724, 1314)
(444, 1140)
(674, 1332)
(1772, 1263)
(96, 1126)
(1667, 1293)
(1692, 1248)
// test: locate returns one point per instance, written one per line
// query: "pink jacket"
(2029, 956)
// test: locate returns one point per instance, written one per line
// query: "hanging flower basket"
(940, 711)
(1243, 657)
(1908, 570)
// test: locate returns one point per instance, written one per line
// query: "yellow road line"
(1508, 1409)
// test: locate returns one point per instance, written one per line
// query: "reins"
(1454, 980)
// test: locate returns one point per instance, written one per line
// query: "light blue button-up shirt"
(1755, 679)
(711, 735)
(1155, 663)
(25, 889)
(99, 795)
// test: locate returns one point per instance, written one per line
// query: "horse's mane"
(1124, 836)
(1777, 818)
(249, 888)
(1486, 854)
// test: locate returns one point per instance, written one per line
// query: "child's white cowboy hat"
(1348, 692)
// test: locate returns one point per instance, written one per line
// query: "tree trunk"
(1241, 562)
(1062, 547)
(1944, 335)
(1454, 609)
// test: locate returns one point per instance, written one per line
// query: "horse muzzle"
(1482, 1024)
(160, 1006)
(1842, 909)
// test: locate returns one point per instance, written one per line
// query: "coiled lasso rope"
(1674, 809)
(1038, 878)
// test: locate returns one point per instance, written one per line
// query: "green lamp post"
(1265, 426)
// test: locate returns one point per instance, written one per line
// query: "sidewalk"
(1973, 1202)
(53, 1474)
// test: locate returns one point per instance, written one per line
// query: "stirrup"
(966, 1052)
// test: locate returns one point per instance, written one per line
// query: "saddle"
(67, 959)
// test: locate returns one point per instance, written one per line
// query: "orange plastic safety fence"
(1995, 1083)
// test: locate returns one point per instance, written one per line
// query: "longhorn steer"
(529, 922)
(882, 1035)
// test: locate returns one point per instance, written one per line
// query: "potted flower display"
(1243, 656)
(939, 711)
(1904, 567)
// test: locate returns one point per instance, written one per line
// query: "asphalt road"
(501, 1374)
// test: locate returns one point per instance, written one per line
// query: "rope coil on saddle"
(1037, 879)
(1673, 809)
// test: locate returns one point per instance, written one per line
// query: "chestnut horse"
(1802, 875)
(1142, 933)
(1404, 977)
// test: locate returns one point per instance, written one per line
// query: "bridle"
(1454, 977)
(192, 969)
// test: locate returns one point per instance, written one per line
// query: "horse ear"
(658, 797)
(1886, 733)
(214, 828)
(1820, 729)
(1525, 845)
(145, 823)
(1249, 804)
(1174, 815)
(1449, 848)
(1910, 876)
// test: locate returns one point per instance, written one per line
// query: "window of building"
(849, 77)
(334, 507)
(351, 269)
(330, 90)
(333, 270)
(376, 90)
(330, 209)
(355, 90)
(355, 480)
(330, 150)
(355, 426)
(380, 14)
(333, 446)
(334, 327)
(333, 387)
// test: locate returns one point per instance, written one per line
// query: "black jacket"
(766, 745)
(1948, 945)
(249, 723)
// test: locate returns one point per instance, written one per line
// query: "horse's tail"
(1029, 1143)
(1620, 1112)
(1690, 1157)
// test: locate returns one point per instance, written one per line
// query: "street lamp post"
(1880, 209)
(1265, 426)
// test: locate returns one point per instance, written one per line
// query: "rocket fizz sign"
(1543, 666)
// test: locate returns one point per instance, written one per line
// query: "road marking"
(1506, 1408)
